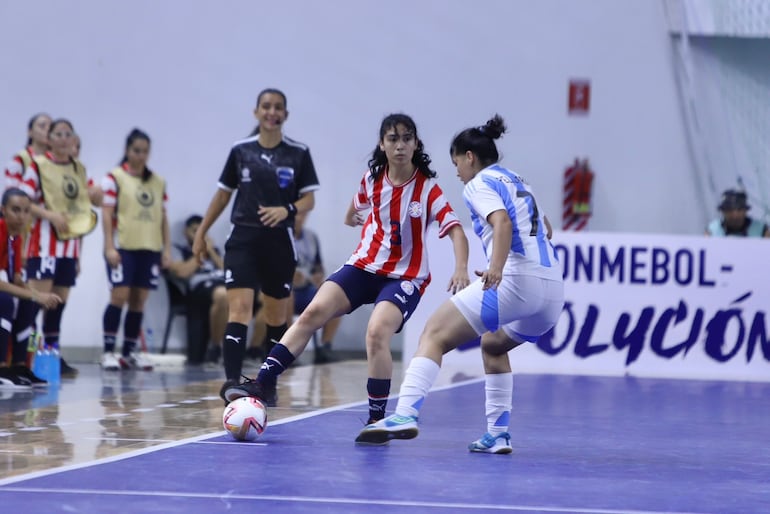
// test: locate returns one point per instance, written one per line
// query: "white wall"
(188, 72)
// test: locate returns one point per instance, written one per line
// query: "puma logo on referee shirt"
(266, 157)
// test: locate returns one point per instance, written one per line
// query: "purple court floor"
(581, 444)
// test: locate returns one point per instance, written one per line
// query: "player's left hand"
(491, 278)
(458, 282)
(272, 216)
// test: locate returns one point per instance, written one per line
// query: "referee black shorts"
(259, 257)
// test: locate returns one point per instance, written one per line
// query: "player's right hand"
(200, 248)
(59, 221)
(113, 257)
(48, 300)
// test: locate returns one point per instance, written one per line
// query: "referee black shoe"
(227, 385)
(255, 389)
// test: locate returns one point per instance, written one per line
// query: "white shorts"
(526, 307)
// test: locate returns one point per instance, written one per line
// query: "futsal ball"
(245, 418)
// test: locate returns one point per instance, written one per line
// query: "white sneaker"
(488, 443)
(110, 362)
(140, 361)
(392, 427)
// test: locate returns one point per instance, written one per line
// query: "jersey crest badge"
(245, 175)
(415, 209)
(407, 287)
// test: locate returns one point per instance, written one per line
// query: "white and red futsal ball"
(245, 418)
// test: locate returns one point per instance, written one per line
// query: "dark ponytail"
(135, 135)
(480, 141)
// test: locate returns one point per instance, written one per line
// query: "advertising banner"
(639, 304)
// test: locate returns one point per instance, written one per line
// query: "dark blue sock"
(234, 349)
(131, 328)
(6, 321)
(378, 390)
(278, 361)
(110, 326)
(52, 325)
(23, 329)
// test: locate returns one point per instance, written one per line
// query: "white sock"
(499, 392)
(419, 378)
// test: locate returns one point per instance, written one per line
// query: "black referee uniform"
(255, 255)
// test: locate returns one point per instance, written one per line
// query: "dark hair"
(60, 121)
(420, 159)
(133, 136)
(259, 98)
(11, 192)
(734, 199)
(32, 122)
(195, 219)
(480, 141)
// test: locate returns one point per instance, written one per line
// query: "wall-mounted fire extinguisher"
(578, 181)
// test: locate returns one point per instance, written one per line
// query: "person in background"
(13, 224)
(734, 219)
(26, 310)
(134, 209)
(62, 198)
(308, 277)
(275, 179)
(205, 291)
(389, 267)
(518, 298)
(37, 144)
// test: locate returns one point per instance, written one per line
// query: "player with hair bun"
(518, 298)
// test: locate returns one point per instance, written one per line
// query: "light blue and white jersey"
(496, 188)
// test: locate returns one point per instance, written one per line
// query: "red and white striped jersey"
(393, 240)
(42, 240)
(14, 170)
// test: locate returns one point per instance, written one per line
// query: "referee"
(274, 179)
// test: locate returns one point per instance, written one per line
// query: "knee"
(219, 297)
(496, 343)
(239, 310)
(378, 338)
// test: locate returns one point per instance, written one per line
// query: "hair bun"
(494, 128)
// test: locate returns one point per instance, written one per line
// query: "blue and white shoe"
(488, 443)
(392, 427)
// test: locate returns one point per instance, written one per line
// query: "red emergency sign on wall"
(579, 101)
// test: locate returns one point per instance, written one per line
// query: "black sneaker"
(213, 353)
(323, 354)
(68, 371)
(227, 385)
(23, 371)
(10, 380)
(253, 388)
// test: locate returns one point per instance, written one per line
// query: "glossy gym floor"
(153, 442)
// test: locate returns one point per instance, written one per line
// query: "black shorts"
(203, 294)
(260, 258)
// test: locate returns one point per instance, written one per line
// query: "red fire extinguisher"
(578, 182)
